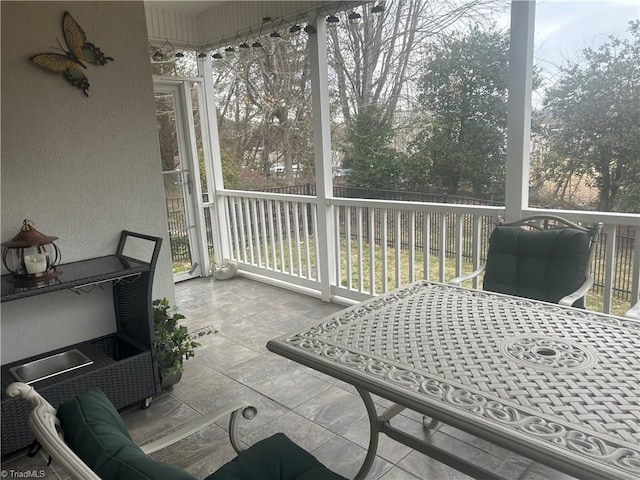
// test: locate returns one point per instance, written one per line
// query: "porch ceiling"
(213, 23)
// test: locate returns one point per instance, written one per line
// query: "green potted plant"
(173, 343)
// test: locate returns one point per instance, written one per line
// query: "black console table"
(123, 365)
(79, 277)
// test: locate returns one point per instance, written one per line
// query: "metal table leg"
(374, 432)
(382, 424)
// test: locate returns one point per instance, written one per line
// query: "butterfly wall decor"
(69, 62)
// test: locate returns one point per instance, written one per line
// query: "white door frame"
(191, 188)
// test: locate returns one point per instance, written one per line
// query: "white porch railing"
(394, 243)
(274, 235)
(382, 245)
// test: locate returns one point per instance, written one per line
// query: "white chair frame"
(45, 426)
(634, 312)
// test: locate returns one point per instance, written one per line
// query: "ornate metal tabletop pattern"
(561, 377)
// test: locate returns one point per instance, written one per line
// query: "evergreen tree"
(463, 94)
(595, 127)
(374, 163)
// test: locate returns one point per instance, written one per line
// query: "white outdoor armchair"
(87, 437)
(543, 257)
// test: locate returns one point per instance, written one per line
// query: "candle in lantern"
(36, 263)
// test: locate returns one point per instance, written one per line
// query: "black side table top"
(84, 273)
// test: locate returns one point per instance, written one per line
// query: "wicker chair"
(87, 437)
(543, 257)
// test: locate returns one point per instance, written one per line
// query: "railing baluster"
(426, 244)
(287, 218)
(272, 235)
(384, 246)
(347, 223)
(398, 242)
(279, 214)
(262, 222)
(337, 231)
(372, 252)
(476, 247)
(316, 258)
(253, 209)
(307, 252)
(460, 219)
(243, 229)
(296, 226)
(232, 209)
(412, 246)
(442, 247)
(609, 273)
(635, 283)
(359, 245)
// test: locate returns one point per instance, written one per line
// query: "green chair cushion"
(543, 265)
(274, 458)
(94, 430)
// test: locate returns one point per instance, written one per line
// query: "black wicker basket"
(121, 369)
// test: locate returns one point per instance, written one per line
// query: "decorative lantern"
(31, 256)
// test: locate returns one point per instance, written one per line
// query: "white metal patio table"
(556, 384)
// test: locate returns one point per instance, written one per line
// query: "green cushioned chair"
(541, 257)
(88, 438)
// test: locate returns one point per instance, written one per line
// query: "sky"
(565, 27)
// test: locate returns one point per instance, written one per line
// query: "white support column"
(519, 107)
(322, 146)
(215, 182)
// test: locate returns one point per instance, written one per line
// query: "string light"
(159, 54)
(245, 45)
(275, 33)
(332, 19)
(295, 27)
(257, 43)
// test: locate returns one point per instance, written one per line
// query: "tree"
(264, 94)
(463, 90)
(595, 107)
(264, 108)
(368, 152)
(376, 59)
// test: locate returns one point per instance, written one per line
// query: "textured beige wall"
(82, 169)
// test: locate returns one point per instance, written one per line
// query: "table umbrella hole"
(547, 352)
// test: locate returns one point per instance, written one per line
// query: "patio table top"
(557, 384)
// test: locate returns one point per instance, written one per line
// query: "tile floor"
(321, 414)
